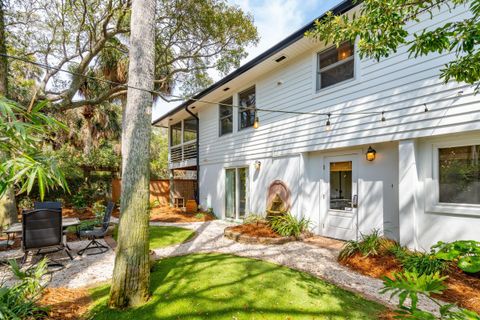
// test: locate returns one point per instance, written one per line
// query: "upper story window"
(459, 174)
(176, 134)
(226, 116)
(189, 129)
(247, 111)
(335, 65)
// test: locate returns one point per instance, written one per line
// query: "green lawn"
(218, 286)
(161, 237)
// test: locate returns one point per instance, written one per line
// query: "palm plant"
(22, 133)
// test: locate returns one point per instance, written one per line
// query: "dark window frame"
(249, 118)
(172, 128)
(221, 118)
(332, 66)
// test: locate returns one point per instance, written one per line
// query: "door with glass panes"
(236, 193)
(341, 197)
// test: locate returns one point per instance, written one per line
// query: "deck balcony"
(183, 156)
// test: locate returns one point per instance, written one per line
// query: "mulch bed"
(259, 229)
(65, 303)
(167, 214)
(462, 289)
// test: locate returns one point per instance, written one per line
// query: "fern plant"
(411, 285)
(287, 225)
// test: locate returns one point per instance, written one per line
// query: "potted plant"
(98, 210)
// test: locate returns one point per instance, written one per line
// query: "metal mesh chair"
(94, 235)
(47, 205)
(42, 229)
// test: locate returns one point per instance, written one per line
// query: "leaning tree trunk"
(131, 274)
(8, 207)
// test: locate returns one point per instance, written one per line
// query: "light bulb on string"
(328, 125)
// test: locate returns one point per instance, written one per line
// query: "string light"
(256, 123)
(328, 125)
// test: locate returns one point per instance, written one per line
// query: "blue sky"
(275, 20)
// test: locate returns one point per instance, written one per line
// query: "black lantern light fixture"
(371, 154)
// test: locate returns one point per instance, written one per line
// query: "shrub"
(465, 252)
(411, 285)
(254, 218)
(79, 201)
(368, 245)
(98, 210)
(20, 300)
(287, 225)
(423, 263)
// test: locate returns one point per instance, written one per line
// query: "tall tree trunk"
(8, 207)
(131, 274)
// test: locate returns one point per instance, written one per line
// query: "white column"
(408, 185)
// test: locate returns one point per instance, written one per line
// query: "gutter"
(197, 196)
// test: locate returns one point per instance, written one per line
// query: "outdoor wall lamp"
(371, 153)
(257, 165)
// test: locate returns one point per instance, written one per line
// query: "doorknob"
(355, 201)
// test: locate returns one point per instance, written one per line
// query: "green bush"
(368, 245)
(423, 263)
(465, 252)
(79, 201)
(20, 300)
(254, 218)
(411, 285)
(287, 225)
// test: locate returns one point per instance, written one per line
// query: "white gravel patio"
(318, 261)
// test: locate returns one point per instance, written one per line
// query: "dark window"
(459, 171)
(247, 111)
(176, 134)
(226, 116)
(335, 65)
(189, 129)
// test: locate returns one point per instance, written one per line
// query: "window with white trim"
(335, 65)
(226, 116)
(459, 174)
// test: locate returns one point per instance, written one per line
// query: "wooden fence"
(160, 190)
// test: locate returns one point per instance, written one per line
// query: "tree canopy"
(381, 27)
(90, 38)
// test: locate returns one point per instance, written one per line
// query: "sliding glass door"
(236, 193)
(230, 186)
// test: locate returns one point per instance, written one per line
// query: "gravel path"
(318, 261)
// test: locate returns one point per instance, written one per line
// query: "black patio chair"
(47, 205)
(42, 229)
(94, 235)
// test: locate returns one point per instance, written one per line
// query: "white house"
(423, 184)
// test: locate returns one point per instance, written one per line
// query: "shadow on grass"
(219, 286)
(163, 236)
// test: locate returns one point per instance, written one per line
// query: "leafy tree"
(22, 133)
(159, 154)
(381, 28)
(85, 34)
(131, 274)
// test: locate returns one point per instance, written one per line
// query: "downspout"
(197, 196)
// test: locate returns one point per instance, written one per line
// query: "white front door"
(340, 220)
